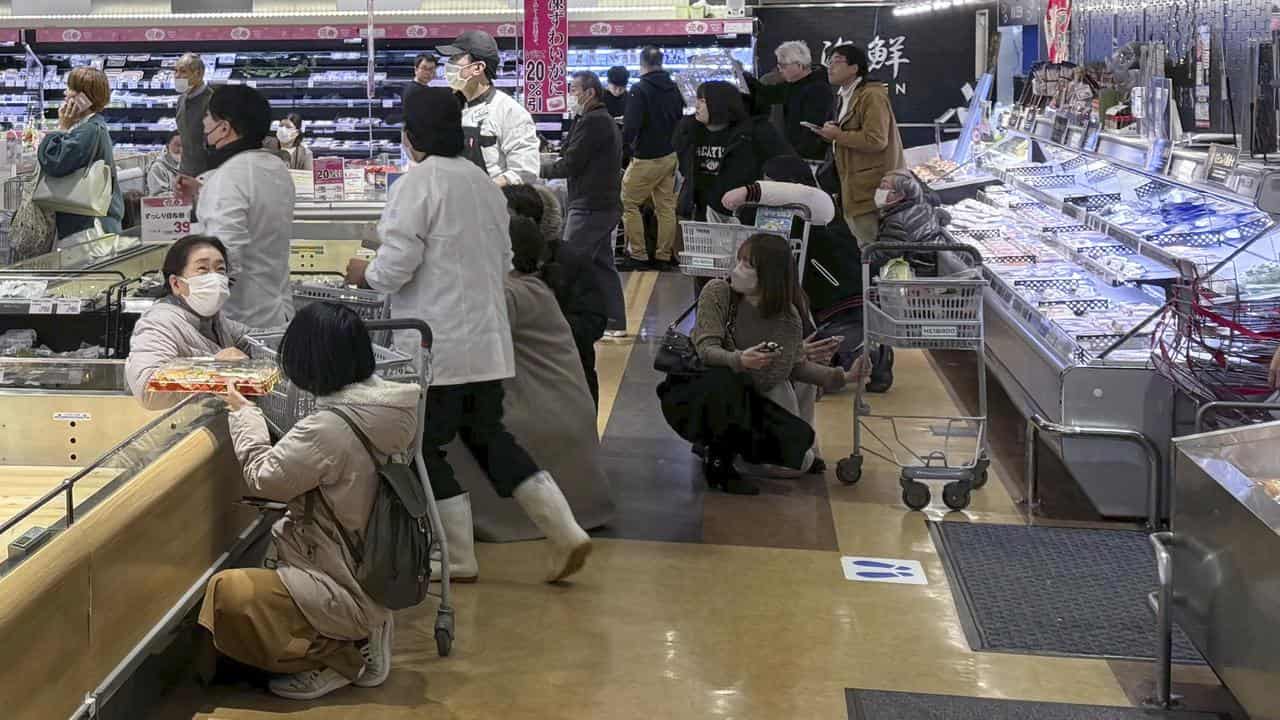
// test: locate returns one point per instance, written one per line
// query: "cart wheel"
(956, 495)
(849, 470)
(444, 634)
(980, 471)
(915, 495)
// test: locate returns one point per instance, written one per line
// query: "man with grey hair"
(805, 97)
(193, 102)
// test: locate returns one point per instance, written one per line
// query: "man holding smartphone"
(805, 97)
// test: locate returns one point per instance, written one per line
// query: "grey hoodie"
(320, 453)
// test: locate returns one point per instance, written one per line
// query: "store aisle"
(699, 604)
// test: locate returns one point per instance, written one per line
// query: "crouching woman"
(308, 619)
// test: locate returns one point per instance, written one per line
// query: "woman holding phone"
(81, 140)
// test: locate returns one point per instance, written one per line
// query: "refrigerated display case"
(1090, 257)
(1225, 525)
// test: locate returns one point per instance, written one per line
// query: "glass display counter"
(1089, 255)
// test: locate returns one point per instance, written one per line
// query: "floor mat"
(1054, 591)
(883, 705)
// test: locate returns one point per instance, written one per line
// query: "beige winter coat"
(168, 331)
(321, 453)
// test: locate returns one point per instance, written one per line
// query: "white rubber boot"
(459, 534)
(546, 507)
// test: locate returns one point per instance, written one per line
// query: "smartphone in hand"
(810, 126)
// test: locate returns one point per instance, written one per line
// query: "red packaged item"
(250, 378)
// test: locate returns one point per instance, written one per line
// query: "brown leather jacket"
(868, 147)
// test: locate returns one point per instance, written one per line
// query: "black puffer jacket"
(808, 99)
(918, 222)
(751, 143)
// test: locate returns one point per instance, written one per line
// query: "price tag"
(165, 218)
(66, 307)
(40, 307)
(388, 103)
(328, 178)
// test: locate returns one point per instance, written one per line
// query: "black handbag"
(677, 354)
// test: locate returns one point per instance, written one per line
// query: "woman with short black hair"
(749, 335)
(187, 321)
(246, 201)
(721, 147)
(308, 618)
(290, 135)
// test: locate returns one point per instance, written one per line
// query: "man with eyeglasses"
(805, 97)
(500, 134)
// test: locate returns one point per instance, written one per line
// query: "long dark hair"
(531, 256)
(770, 255)
(175, 260)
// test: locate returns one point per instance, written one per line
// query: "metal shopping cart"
(286, 404)
(942, 313)
(711, 249)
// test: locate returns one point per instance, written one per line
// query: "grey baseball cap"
(479, 44)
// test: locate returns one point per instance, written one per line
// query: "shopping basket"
(286, 404)
(711, 249)
(943, 313)
(368, 304)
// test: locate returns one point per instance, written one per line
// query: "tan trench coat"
(868, 147)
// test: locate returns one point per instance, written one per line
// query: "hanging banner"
(546, 55)
(1057, 28)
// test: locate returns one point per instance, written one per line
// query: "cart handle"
(969, 250)
(422, 327)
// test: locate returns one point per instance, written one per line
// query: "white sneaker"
(308, 685)
(615, 334)
(376, 652)
(545, 505)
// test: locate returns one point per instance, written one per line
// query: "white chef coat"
(445, 251)
(515, 153)
(247, 203)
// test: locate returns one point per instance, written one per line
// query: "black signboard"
(923, 68)
(1222, 160)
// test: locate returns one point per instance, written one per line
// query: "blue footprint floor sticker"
(884, 570)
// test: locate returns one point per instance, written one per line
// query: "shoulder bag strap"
(352, 546)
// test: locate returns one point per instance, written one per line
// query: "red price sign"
(165, 218)
(328, 174)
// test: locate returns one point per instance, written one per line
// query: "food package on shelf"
(14, 341)
(194, 375)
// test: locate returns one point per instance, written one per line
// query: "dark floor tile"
(773, 521)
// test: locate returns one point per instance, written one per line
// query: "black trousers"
(473, 413)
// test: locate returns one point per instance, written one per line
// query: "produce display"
(250, 378)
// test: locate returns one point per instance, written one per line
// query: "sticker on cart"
(40, 307)
(883, 570)
(72, 417)
(66, 307)
(939, 331)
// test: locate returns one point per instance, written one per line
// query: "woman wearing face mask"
(81, 140)
(247, 202)
(290, 136)
(187, 321)
(163, 173)
(749, 336)
(721, 148)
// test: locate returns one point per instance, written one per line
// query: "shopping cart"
(286, 404)
(942, 313)
(368, 304)
(711, 249)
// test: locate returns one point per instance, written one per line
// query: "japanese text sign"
(165, 218)
(328, 177)
(546, 55)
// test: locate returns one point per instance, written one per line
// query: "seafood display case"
(1088, 253)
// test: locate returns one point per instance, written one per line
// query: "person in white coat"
(500, 134)
(444, 256)
(246, 201)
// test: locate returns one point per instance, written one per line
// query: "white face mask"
(453, 76)
(207, 293)
(575, 106)
(882, 197)
(744, 280)
(181, 84)
(286, 135)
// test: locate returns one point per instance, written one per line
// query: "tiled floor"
(698, 604)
